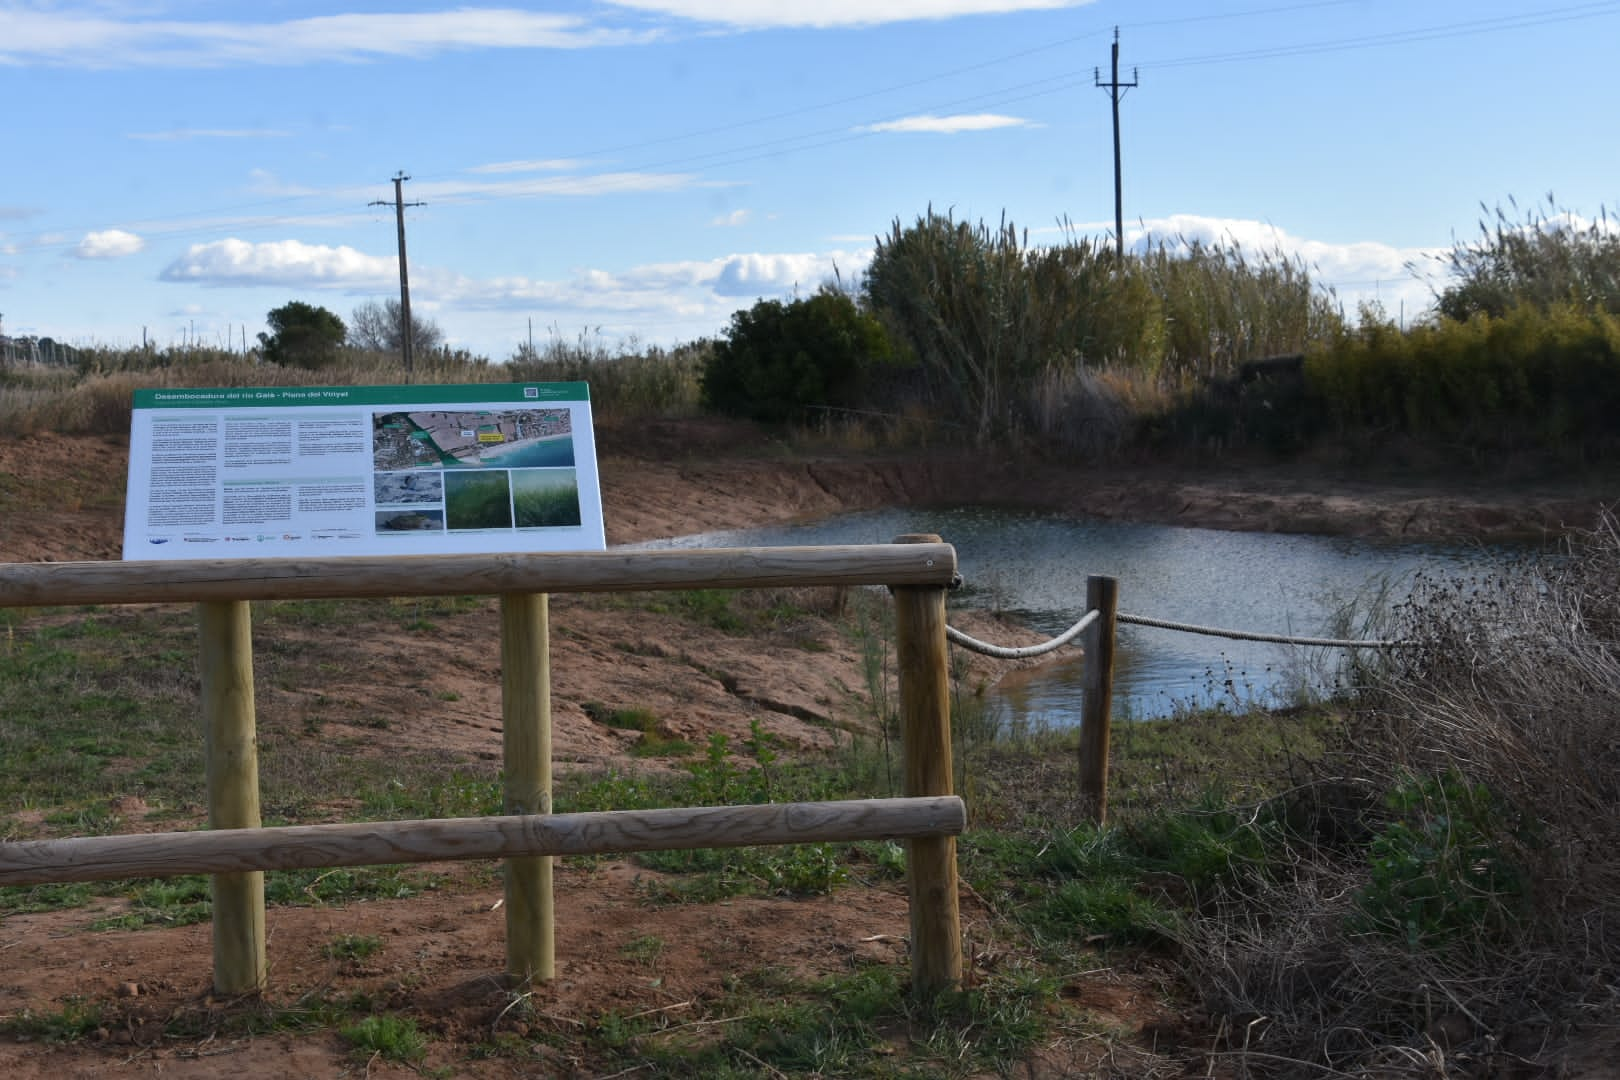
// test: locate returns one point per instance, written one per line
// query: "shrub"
(776, 359)
(1005, 334)
(1546, 260)
(1485, 891)
(1530, 379)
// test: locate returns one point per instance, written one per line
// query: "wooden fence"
(237, 851)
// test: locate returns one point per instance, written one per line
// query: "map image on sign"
(507, 438)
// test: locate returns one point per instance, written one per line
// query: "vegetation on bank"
(1417, 877)
(966, 334)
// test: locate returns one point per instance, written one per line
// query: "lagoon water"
(1033, 568)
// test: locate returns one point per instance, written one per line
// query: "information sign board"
(262, 472)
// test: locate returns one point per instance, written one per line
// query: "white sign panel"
(362, 470)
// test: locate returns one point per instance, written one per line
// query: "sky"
(636, 171)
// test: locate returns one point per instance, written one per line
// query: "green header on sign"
(231, 397)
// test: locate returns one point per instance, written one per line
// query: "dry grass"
(1455, 910)
(96, 397)
(1514, 684)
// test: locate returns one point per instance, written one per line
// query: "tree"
(776, 358)
(374, 327)
(302, 335)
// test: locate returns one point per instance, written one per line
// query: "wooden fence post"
(936, 930)
(526, 739)
(1097, 700)
(231, 747)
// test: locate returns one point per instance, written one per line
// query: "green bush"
(1530, 379)
(777, 359)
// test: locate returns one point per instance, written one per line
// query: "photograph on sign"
(282, 471)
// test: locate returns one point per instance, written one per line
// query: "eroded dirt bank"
(61, 497)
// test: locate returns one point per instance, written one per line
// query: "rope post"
(1097, 701)
(231, 748)
(526, 741)
(936, 930)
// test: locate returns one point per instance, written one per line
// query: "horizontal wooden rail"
(102, 858)
(186, 581)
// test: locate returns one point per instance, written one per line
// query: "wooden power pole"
(1116, 91)
(406, 342)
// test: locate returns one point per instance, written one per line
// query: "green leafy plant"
(1438, 871)
(776, 359)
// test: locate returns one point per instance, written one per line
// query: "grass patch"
(78, 1018)
(352, 947)
(394, 1038)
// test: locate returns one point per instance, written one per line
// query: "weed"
(1438, 872)
(77, 1019)
(352, 947)
(178, 901)
(395, 1038)
(644, 949)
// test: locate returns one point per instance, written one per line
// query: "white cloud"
(1355, 271)
(91, 40)
(760, 14)
(674, 296)
(950, 125)
(541, 165)
(186, 134)
(283, 262)
(733, 219)
(108, 244)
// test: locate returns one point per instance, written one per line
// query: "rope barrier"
(1247, 635)
(1002, 652)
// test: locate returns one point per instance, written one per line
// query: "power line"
(406, 345)
(1465, 28)
(1116, 90)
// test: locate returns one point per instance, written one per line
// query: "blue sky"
(647, 167)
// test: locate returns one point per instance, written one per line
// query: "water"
(1032, 568)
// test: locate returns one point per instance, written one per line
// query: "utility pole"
(405, 342)
(1115, 90)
